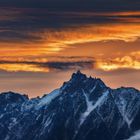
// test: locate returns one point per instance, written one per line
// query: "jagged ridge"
(82, 109)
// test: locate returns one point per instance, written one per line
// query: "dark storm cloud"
(57, 66)
(15, 36)
(69, 65)
(62, 63)
(20, 20)
(94, 5)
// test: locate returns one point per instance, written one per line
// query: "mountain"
(84, 108)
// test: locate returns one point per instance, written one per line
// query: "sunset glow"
(119, 63)
(22, 67)
(45, 41)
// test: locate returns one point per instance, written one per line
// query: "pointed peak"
(78, 76)
(78, 72)
(79, 80)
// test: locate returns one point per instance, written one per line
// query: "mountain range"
(83, 108)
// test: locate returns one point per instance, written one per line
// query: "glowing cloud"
(15, 67)
(92, 33)
(125, 62)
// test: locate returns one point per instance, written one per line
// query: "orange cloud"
(54, 41)
(92, 33)
(136, 54)
(15, 67)
(126, 62)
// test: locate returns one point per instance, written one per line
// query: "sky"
(42, 42)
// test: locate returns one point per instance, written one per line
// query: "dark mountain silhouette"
(82, 109)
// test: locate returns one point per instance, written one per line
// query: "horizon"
(76, 72)
(42, 42)
(87, 76)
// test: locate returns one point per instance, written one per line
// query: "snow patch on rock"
(136, 136)
(48, 98)
(90, 106)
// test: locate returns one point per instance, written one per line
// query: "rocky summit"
(84, 108)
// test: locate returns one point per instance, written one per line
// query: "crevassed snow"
(48, 98)
(90, 106)
(136, 136)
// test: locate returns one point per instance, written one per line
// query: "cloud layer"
(40, 39)
(43, 65)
